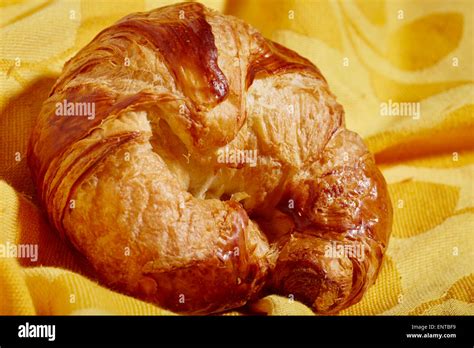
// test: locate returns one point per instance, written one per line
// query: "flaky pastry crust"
(142, 191)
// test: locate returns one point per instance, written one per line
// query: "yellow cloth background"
(370, 52)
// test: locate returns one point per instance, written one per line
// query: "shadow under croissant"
(34, 230)
(17, 119)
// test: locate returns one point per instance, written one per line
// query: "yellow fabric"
(371, 52)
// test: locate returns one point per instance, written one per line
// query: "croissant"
(199, 166)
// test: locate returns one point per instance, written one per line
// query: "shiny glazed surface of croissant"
(147, 192)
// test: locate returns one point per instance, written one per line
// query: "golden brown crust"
(340, 201)
(142, 190)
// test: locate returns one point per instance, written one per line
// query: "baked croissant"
(198, 166)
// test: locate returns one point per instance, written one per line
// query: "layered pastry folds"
(202, 166)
